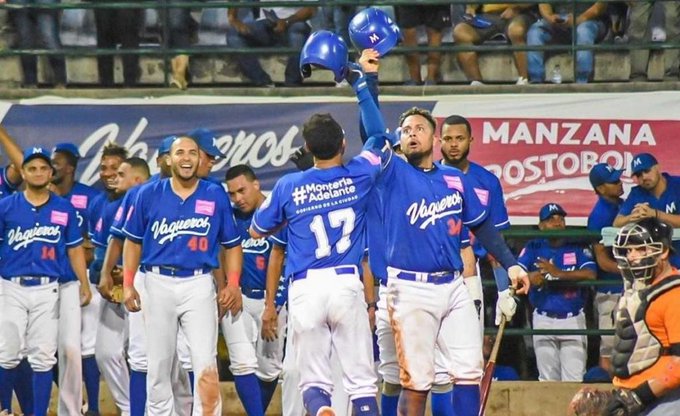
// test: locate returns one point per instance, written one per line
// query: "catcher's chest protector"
(635, 347)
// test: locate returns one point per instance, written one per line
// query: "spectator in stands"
(656, 195)
(279, 26)
(639, 16)
(336, 19)
(606, 182)
(557, 306)
(38, 28)
(482, 22)
(116, 26)
(556, 26)
(182, 31)
(435, 19)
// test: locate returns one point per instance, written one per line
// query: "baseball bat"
(485, 385)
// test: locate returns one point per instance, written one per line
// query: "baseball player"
(177, 243)
(606, 182)
(208, 152)
(162, 159)
(558, 357)
(76, 341)
(646, 358)
(426, 206)
(324, 209)
(255, 362)
(40, 235)
(111, 334)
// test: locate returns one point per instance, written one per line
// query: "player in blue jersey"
(74, 337)
(606, 182)
(209, 153)
(425, 207)
(175, 230)
(40, 236)
(558, 357)
(324, 209)
(162, 159)
(10, 177)
(254, 362)
(656, 195)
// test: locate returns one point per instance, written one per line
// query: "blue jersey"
(668, 202)
(95, 209)
(568, 257)
(35, 239)
(178, 233)
(123, 211)
(375, 237)
(603, 214)
(155, 177)
(325, 212)
(426, 210)
(255, 253)
(281, 239)
(82, 198)
(100, 233)
(7, 188)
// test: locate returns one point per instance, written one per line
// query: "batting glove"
(355, 77)
(505, 305)
(302, 158)
(474, 287)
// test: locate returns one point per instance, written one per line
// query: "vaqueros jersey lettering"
(181, 233)
(324, 210)
(255, 252)
(562, 299)
(35, 240)
(424, 215)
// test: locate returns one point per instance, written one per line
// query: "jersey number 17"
(339, 218)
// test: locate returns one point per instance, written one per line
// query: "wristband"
(370, 305)
(233, 279)
(645, 393)
(128, 277)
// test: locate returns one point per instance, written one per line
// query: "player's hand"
(105, 286)
(369, 61)
(519, 280)
(624, 402)
(644, 211)
(270, 323)
(131, 299)
(371, 318)
(505, 305)
(474, 288)
(85, 294)
(117, 275)
(231, 299)
(547, 267)
(302, 158)
(536, 279)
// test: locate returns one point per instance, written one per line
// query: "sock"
(91, 379)
(42, 388)
(248, 390)
(365, 406)
(267, 389)
(466, 399)
(7, 379)
(315, 398)
(137, 393)
(388, 405)
(23, 386)
(441, 403)
(191, 381)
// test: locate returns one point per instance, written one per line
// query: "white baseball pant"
(189, 303)
(560, 357)
(69, 349)
(112, 336)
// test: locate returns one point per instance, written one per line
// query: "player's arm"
(114, 250)
(369, 291)
(232, 265)
(586, 271)
(15, 155)
(274, 272)
(604, 259)
(132, 253)
(76, 256)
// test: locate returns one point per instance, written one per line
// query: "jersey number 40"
(339, 218)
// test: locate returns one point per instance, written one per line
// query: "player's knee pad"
(390, 389)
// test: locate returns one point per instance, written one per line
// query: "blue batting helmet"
(372, 28)
(326, 50)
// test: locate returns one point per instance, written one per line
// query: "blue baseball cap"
(642, 161)
(604, 173)
(206, 140)
(549, 210)
(67, 148)
(166, 144)
(37, 152)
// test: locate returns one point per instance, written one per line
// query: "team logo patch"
(569, 259)
(119, 214)
(79, 201)
(372, 158)
(453, 182)
(483, 196)
(205, 207)
(58, 217)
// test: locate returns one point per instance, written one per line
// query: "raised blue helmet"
(372, 28)
(324, 49)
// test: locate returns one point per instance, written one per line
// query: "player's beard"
(415, 158)
(177, 173)
(455, 161)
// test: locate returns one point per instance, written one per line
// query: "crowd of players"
(291, 266)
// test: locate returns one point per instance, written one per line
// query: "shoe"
(179, 83)
(412, 83)
(476, 83)
(429, 82)
(325, 411)
(522, 81)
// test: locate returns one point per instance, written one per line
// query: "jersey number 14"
(339, 218)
